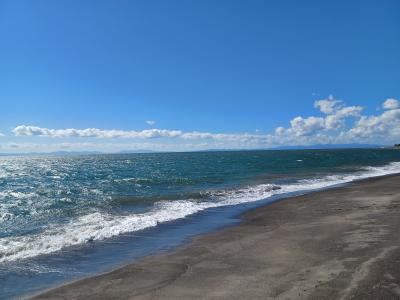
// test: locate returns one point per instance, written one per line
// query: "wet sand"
(342, 243)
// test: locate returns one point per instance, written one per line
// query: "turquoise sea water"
(51, 207)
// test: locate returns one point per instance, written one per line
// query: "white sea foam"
(99, 226)
(10, 200)
(16, 195)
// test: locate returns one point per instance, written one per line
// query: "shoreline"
(283, 249)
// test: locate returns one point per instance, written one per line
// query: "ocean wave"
(99, 226)
(16, 195)
(12, 200)
(153, 181)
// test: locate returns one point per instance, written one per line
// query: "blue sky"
(234, 71)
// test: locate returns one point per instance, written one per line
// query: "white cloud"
(328, 106)
(337, 124)
(151, 123)
(1, 134)
(336, 114)
(306, 126)
(391, 104)
(337, 119)
(24, 130)
(382, 128)
(280, 130)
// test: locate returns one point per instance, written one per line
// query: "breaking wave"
(99, 225)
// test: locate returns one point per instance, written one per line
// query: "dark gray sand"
(341, 243)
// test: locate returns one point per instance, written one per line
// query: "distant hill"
(330, 146)
(136, 151)
(310, 147)
(322, 146)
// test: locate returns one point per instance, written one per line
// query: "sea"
(68, 217)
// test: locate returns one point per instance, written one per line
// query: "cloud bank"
(334, 122)
(24, 130)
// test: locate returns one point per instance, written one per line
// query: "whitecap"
(99, 226)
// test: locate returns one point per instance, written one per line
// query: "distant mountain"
(136, 151)
(330, 146)
(221, 150)
(321, 146)
(310, 147)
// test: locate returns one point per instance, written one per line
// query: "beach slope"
(342, 243)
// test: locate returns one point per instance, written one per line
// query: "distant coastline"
(144, 151)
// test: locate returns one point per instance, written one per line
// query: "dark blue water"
(67, 217)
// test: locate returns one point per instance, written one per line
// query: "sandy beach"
(179, 150)
(341, 243)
